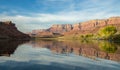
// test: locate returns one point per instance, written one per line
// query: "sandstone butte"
(91, 26)
(8, 30)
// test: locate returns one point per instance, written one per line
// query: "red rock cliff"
(90, 26)
(59, 28)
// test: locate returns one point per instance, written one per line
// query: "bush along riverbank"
(109, 33)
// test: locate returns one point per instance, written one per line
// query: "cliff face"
(59, 28)
(9, 31)
(76, 26)
(91, 26)
(114, 20)
(53, 31)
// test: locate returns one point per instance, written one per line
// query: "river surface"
(59, 55)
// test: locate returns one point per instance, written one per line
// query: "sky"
(29, 15)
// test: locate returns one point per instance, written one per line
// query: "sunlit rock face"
(53, 31)
(59, 28)
(91, 26)
(114, 20)
(9, 30)
(77, 26)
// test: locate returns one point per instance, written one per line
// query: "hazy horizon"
(41, 14)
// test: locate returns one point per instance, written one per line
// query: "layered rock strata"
(91, 26)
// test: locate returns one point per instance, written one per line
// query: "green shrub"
(116, 37)
(107, 32)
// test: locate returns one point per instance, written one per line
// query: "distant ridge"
(90, 26)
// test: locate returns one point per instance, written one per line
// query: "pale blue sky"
(38, 14)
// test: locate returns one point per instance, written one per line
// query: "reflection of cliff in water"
(98, 49)
(8, 47)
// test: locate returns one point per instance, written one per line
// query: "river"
(59, 55)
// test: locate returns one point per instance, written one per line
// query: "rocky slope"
(60, 28)
(9, 31)
(91, 26)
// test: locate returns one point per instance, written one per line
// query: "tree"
(107, 32)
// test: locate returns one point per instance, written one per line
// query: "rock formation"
(9, 31)
(53, 31)
(114, 20)
(91, 26)
(59, 28)
(76, 26)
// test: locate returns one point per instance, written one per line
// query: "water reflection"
(58, 55)
(90, 49)
(108, 47)
(8, 47)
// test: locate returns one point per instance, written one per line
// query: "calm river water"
(59, 55)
